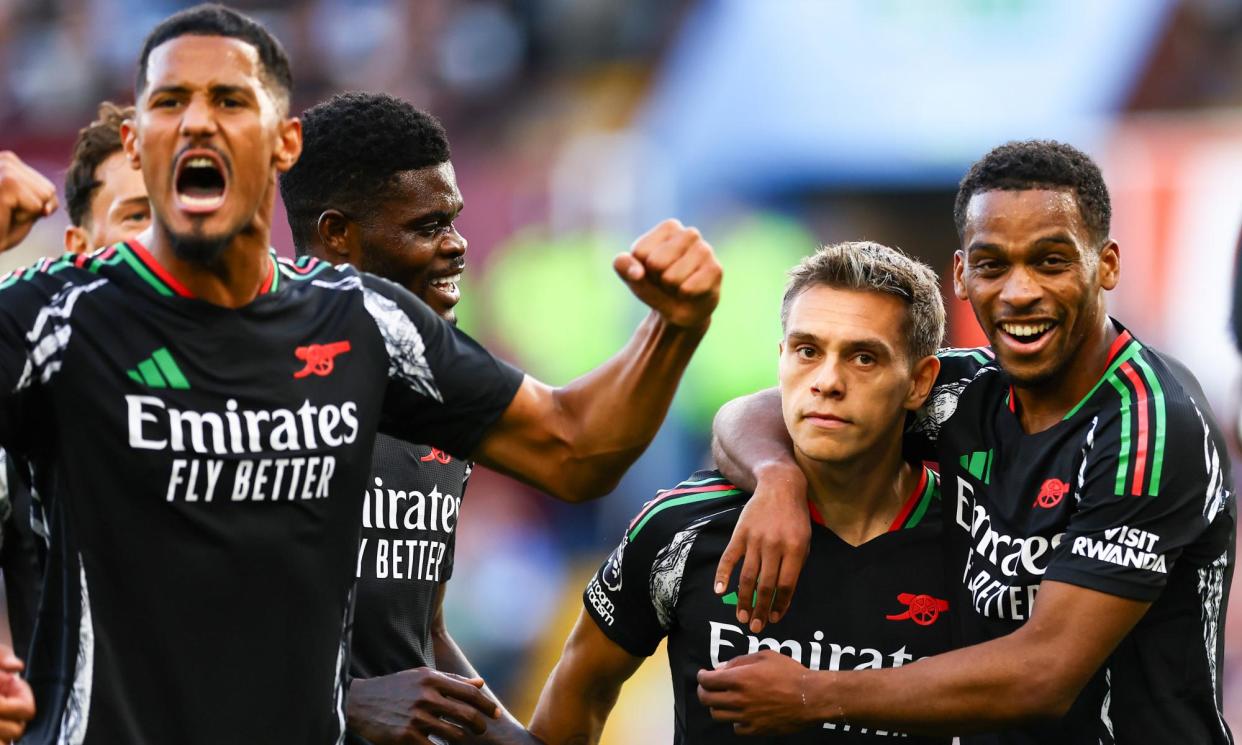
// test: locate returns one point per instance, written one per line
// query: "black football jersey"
(1131, 495)
(23, 548)
(880, 604)
(409, 528)
(202, 471)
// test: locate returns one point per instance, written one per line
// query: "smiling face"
(846, 378)
(210, 136)
(1035, 281)
(410, 237)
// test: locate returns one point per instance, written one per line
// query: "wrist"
(781, 474)
(820, 692)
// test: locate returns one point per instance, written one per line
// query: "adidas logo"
(159, 371)
(979, 465)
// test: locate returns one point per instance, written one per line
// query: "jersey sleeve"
(35, 307)
(629, 596)
(444, 388)
(1151, 483)
(957, 368)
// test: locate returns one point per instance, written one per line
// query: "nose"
(198, 119)
(454, 244)
(1021, 289)
(828, 381)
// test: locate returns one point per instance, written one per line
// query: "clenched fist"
(673, 270)
(25, 196)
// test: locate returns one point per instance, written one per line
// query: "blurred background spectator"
(772, 126)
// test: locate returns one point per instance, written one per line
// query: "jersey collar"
(140, 260)
(911, 513)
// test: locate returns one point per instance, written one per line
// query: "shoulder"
(959, 368)
(49, 276)
(704, 497)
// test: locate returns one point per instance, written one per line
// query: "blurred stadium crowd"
(773, 127)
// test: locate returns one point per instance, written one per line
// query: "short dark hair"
(352, 146)
(1040, 164)
(96, 143)
(211, 19)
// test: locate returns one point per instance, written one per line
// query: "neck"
(859, 499)
(235, 277)
(1043, 404)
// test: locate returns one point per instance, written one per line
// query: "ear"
(959, 272)
(1108, 269)
(338, 238)
(129, 143)
(921, 381)
(288, 145)
(76, 240)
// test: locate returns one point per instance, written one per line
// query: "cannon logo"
(320, 359)
(922, 609)
(1051, 493)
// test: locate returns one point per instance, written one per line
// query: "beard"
(199, 249)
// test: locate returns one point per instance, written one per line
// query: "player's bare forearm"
(749, 440)
(576, 442)
(752, 448)
(582, 688)
(505, 729)
(1035, 673)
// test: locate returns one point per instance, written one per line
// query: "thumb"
(628, 268)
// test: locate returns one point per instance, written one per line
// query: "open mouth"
(1026, 333)
(447, 286)
(200, 183)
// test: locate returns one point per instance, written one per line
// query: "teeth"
(447, 283)
(1025, 329)
(190, 201)
(200, 162)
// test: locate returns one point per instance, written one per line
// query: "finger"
(643, 245)
(667, 252)
(728, 560)
(785, 583)
(718, 701)
(9, 662)
(465, 716)
(683, 267)
(705, 280)
(746, 582)
(769, 570)
(628, 268)
(442, 728)
(744, 660)
(468, 692)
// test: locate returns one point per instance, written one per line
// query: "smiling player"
(1089, 519)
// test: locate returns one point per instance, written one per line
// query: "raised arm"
(575, 442)
(752, 449)
(1033, 673)
(582, 688)
(25, 196)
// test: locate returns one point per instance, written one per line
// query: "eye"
(166, 102)
(988, 266)
(805, 352)
(136, 216)
(230, 102)
(866, 359)
(1054, 262)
